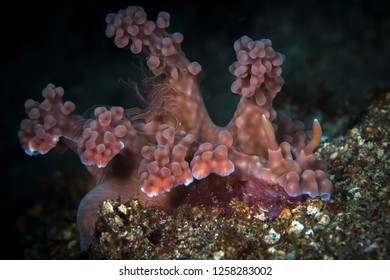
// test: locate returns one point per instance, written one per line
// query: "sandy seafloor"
(336, 70)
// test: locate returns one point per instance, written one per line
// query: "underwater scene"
(196, 131)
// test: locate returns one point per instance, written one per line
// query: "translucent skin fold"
(158, 153)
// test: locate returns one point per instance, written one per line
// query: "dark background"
(337, 55)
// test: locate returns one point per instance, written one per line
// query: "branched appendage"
(258, 80)
(164, 166)
(258, 72)
(213, 158)
(48, 121)
(146, 154)
(179, 92)
(105, 136)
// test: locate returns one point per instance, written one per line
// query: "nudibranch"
(163, 152)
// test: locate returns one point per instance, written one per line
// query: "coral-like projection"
(171, 152)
